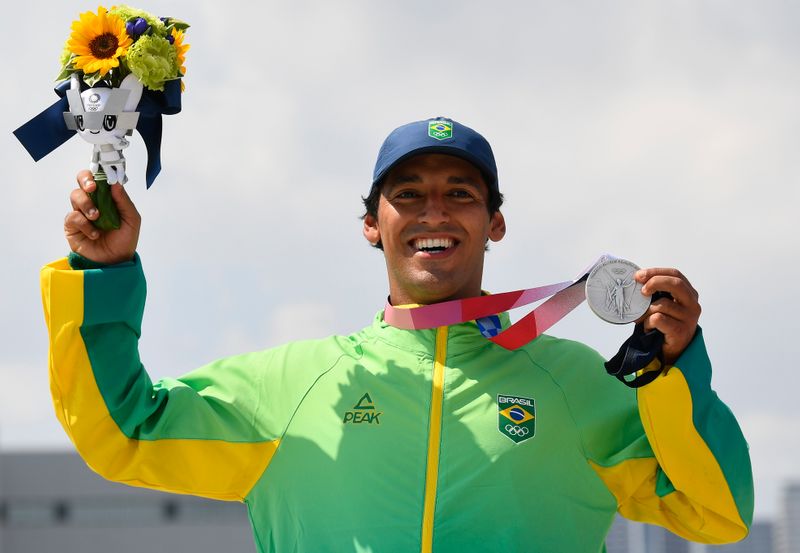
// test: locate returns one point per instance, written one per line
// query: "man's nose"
(434, 210)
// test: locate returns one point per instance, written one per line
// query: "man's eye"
(406, 194)
(461, 194)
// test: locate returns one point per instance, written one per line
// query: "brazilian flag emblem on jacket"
(516, 417)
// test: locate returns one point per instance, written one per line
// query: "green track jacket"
(390, 440)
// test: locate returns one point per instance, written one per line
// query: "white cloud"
(300, 320)
(26, 413)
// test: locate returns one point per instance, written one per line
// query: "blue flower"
(136, 27)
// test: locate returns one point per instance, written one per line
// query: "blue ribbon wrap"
(47, 131)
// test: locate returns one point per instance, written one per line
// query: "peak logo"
(363, 412)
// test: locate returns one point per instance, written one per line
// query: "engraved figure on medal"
(613, 294)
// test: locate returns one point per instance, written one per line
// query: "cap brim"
(441, 149)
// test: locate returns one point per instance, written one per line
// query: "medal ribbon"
(630, 365)
(564, 297)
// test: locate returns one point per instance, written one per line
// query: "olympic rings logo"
(517, 430)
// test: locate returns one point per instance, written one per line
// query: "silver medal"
(613, 294)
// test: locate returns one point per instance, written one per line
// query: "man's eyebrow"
(413, 178)
(464, 180)
(401, 179)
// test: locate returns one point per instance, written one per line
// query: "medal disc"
(613, 294)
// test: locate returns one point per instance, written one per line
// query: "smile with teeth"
(433, 245)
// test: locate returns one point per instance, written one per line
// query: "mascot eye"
(79, 122)
(109, 122)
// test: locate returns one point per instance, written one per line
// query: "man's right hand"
(109, 247)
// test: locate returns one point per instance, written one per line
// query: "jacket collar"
(461, 337)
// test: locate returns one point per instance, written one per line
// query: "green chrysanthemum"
(153, 60)
(65, 62)
(66, 54)
(126, 12)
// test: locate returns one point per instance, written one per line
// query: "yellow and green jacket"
(391, 440)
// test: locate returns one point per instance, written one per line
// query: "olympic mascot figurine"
(104, 117)
(121, 70)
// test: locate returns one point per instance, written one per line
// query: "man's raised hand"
(676, 317)
(108, 247)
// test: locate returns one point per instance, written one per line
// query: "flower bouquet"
(108, 46)
(120, 70)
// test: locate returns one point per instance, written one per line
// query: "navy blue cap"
(436, 136)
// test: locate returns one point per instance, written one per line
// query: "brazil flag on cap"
(440, 129)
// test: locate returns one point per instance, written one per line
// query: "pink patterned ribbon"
(564, 297)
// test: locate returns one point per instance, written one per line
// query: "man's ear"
(497, 227)
(371, 230)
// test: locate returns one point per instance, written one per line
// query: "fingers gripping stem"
(109, 216)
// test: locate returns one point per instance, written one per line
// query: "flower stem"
(109, 216)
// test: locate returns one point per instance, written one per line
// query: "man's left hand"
(676, 318)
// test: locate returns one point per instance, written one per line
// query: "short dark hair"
(371, 205)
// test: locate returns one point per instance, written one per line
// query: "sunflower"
(180, 49)
(98, 41)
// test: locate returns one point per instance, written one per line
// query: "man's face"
(433, 223)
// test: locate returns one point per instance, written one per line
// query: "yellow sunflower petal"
(88, 64)
(82, 48)
(91, 24)
(81, 62)
(115, 24)
(180, 49)
(81, 36)
(101, 65)
(108, 26)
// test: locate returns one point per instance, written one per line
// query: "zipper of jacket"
(434, 439)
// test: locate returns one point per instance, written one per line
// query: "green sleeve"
(212, 432)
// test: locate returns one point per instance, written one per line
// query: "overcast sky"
(663, 132)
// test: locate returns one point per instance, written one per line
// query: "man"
(401, 440)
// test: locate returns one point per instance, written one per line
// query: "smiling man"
(432, 222)
(392, 440)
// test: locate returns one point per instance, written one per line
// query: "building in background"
(51, 502)
(760, 540)
(626, 536)
(788, 526)
(632, 537)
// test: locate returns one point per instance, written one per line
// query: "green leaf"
(178, 24)
(66, 71)
(123, 70)
(92, 79)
